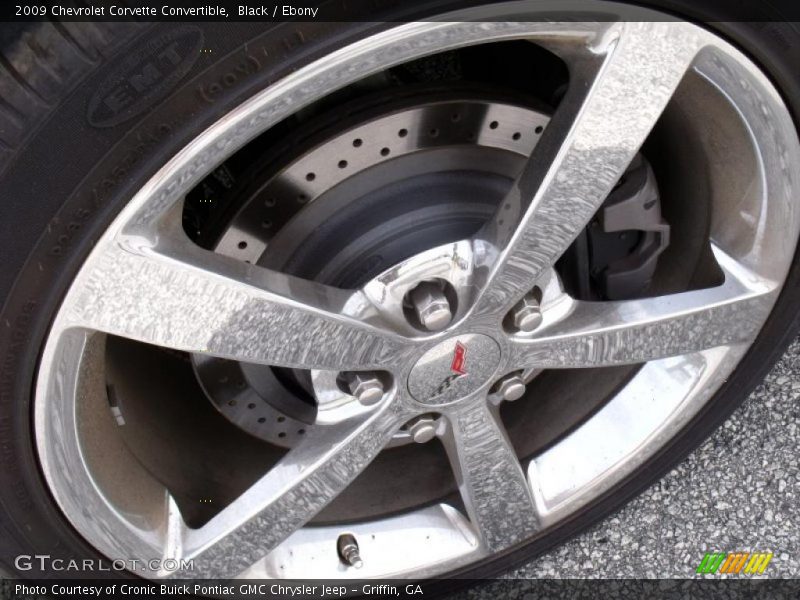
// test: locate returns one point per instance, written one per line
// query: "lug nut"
(422, 429)
(366, 387)
(347, 547)
(431, 306)
(511, 387)
(526, 314)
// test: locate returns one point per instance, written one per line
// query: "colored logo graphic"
(734, 563)
(459, 358)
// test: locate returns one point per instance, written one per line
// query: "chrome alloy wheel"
(146, 281)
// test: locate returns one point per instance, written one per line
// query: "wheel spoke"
(491, 480)
(290, 494)
(584, 150)
(186, 298)
(597, 334)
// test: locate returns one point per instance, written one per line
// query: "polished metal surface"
(511, 387)
(367, 388)
(431, 306)
(527, 315)
(422, 429)
(145, 281)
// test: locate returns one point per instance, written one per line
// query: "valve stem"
(347, 546)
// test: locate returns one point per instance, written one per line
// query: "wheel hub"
(403, 180)
(454, 369)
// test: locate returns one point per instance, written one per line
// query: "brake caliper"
(616, 255)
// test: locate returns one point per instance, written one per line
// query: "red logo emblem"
(459, 358)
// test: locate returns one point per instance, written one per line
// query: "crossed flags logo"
(734, 563)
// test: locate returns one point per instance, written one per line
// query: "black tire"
(67, 167)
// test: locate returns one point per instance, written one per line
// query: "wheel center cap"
(453, 369)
